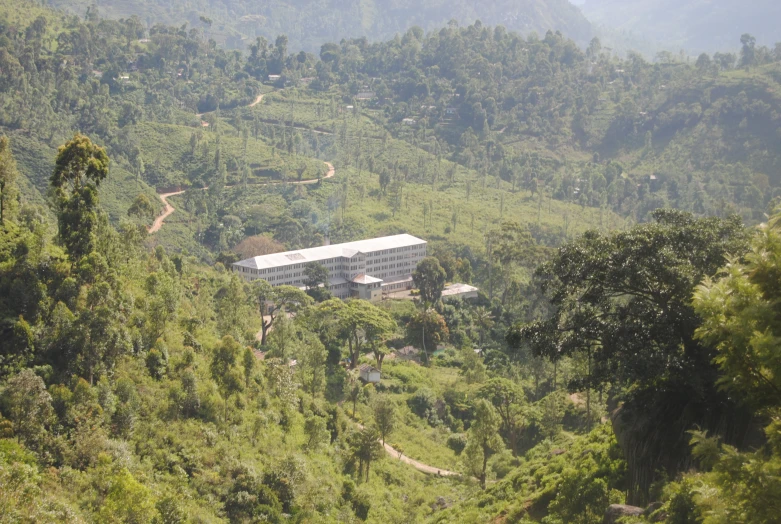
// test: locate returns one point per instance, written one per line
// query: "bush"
(457, 442)
(422, 402)
(680, 506)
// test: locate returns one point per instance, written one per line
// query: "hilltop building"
(365, 269)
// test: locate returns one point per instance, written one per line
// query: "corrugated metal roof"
(317, 254)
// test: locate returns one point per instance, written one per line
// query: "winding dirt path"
(425, 468)
(257, 101)
(169, 209)
(420, 466)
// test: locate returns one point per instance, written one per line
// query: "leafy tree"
(311, 357)
(250, 362)
(271, 301)
(258, 245)
(316, 431)
(359, 321)
(384, 416)
(127, 500)
(225, 371)
(429, 278)
(426, 330)
(141, 208)
(316, 282)
(483, 439)
(353, 387)
(18, 345)
(79, 169)
(366, 448)
(28, 406)
(250, 500)
(508, 399)
(232, 308)
(483, 319)
(164, 296)
(9, 192)
(511, 246)
(740, 320)
(748, 50)
(624, 301)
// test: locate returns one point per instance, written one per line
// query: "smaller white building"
(369, 374)
(463, 291)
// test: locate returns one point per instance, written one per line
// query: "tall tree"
(740, 319)
(9, 191)
(311, 356)
(316, 282)
(359, 322)
(509, 400)
(272, 301)
(623, 301)
(225, 369)
(384, 416)
(482, 440)
(426, 330)
(429, 278)
(366, 448)
(79, 169)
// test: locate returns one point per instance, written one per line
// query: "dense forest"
(619, 217)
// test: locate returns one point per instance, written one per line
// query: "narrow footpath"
(420, 466)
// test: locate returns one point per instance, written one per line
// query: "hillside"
(695, 26)
(609, 357)
(310, 23)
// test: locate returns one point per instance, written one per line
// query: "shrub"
(457, 442)
(422, 402)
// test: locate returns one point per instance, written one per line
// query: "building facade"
(364, 269)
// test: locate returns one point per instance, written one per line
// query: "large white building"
(365, 269)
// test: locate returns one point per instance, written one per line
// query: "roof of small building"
(366, 279)
(407, 351)
(458, 289)
(316, 254)
(368, 368)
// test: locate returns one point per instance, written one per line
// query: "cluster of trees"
(461, 87)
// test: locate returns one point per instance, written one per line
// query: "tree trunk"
(588, 396)
(485, 464)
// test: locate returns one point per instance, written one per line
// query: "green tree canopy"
(9, 192)
(623, 301)
(741, 319)
(79, 169)
(360, 322)
(429, 278)
(273, 300)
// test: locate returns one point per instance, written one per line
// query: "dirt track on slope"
(169, 209)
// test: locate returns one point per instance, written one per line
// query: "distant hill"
(310, 23)
(692, 25)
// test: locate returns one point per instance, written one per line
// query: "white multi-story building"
(365, 269)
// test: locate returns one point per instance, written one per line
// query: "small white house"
(369, 374)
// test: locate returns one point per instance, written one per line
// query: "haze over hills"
(310, 23)
(692, 25)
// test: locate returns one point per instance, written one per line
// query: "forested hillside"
(694, 26)
(618, 217)
(310, 23)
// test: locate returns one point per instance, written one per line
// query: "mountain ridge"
(310, 23)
